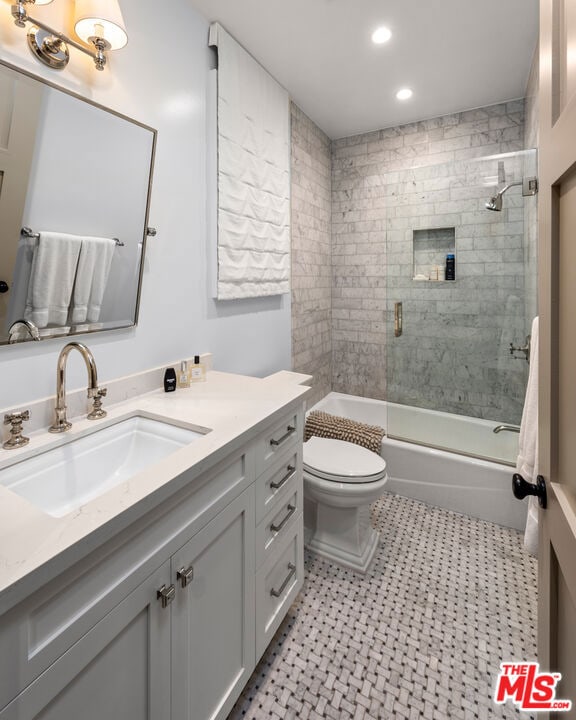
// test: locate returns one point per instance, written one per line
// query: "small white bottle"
(198, 371)
(183, 377)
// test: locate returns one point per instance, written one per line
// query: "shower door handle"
(397, 319)
(521, 488)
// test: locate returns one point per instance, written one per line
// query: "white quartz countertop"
(34, 546)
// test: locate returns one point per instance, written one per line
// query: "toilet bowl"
(342, 479)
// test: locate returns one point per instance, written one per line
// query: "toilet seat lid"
(342, 461)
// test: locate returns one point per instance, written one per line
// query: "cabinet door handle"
(185, 575)
(277, 593)
(276, 485)
(291, 511)
(166, 595)
(289, 430)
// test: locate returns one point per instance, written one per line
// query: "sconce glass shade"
(102, 19)
(42, 2)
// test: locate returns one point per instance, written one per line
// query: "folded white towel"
(527, 462)
(52, 279)
(91, 278)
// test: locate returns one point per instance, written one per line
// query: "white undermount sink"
(61, 479)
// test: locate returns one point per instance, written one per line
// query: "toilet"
(341, 479)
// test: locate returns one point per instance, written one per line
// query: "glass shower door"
(451, 378)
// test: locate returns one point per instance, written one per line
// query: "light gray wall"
(167, 90)
(311, 253)
(453, 355)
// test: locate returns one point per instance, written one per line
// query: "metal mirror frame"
(148, 231)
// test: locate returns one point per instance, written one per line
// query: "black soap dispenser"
(170, 380)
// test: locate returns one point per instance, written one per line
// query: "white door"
(557, 396)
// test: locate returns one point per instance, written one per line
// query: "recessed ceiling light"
(404, 94)
(381, 35)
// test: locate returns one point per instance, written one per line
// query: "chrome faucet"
(61, 423)
(509, 428)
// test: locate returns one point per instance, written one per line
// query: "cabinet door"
(213, 651)
(119, 669)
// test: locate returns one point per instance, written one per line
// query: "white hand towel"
(91, 278)
(527, 462)
(52, 279)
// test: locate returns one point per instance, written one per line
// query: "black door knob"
(3, 286)
(521, 488)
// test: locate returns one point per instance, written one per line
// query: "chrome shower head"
(495, 203)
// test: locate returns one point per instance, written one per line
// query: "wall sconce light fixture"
(98, 23)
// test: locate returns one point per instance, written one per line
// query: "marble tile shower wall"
(453, 353)
(311, 257)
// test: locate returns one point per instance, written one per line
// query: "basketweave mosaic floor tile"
(421, 635)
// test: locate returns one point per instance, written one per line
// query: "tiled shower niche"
(429, 249)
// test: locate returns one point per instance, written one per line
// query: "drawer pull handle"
(166, 595)
(291, 511)
(277, 593)
(185, 575)
(289, 430)
(276, 485)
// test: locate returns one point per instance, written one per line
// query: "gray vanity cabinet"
(167, 620)
(186, 657)
(119, 669)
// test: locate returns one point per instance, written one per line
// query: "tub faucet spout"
(61, 423)
(509, 428)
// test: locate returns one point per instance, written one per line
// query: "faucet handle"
(97, 394)
(16, 438)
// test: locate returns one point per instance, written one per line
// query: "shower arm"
(529, 186)
(507, 187)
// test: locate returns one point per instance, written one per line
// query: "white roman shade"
(253, 175)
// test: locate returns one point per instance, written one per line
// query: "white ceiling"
(455, 54)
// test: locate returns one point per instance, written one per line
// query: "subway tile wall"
(453, 355)
(355, 205)
(311, 255)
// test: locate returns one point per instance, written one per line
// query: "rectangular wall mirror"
(75, 182)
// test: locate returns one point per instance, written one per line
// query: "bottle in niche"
(184, 375)
(198, 371)
(450, 273)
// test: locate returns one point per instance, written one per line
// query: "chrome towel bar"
(29, 233)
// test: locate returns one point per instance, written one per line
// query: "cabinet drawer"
(277, 583)
(286, 433)
(272, 483)
(280, 520)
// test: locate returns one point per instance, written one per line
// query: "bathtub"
(476, 486)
